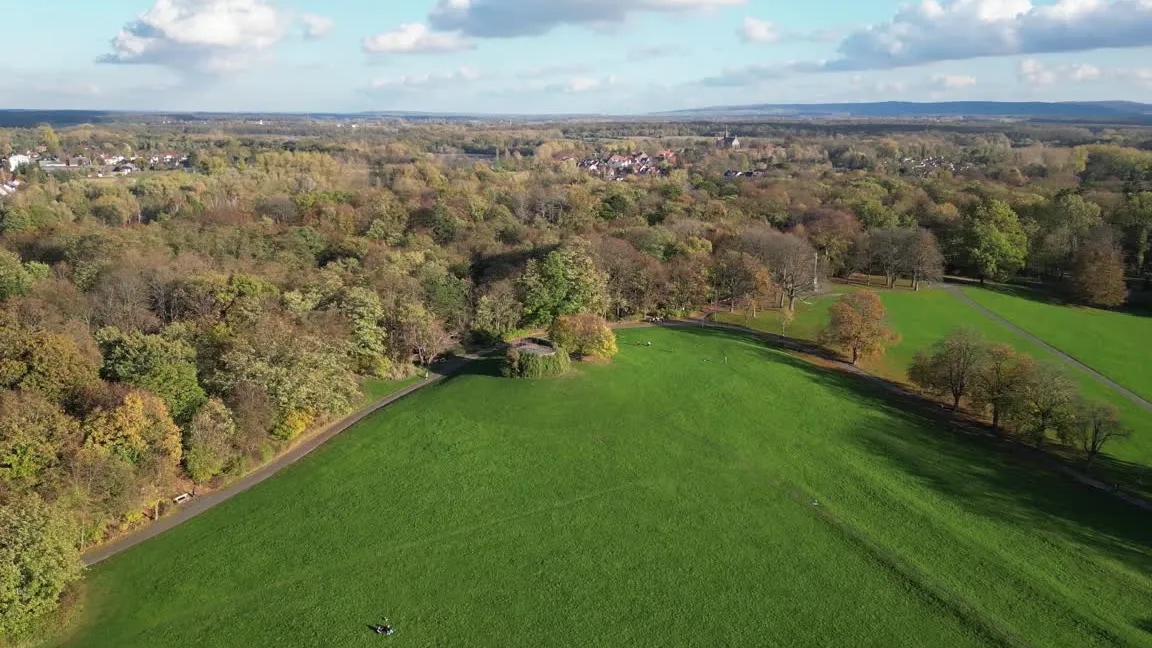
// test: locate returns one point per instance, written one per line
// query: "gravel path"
(1060, 355)
(202, 503)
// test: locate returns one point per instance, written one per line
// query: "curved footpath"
(1060, 355)
(201, 503)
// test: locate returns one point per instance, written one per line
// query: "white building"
(16, 161)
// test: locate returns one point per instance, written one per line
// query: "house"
(125, 169)
(16, 161)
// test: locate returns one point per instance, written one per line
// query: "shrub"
(533, 365)
(584, 335)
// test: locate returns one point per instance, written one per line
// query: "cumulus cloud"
(428, 81)
(199, 36)
(583, 84)
(755, 30)
(953, 81)
(317, 26)
(1034, 73)
(944, 30)
(416, 38)
(513, 18)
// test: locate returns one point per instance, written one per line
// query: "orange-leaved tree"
(857, 326)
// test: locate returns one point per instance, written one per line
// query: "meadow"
(702, 491)
(1115, 343)
(921, 318)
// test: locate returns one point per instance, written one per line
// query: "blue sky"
(565, 56)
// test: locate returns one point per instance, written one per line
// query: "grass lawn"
(923, 317)
(662, 500)
(1114, 343)
(374, 388)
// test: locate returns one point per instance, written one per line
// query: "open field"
(1114, 343)
(663, 500)
(375, 388)
(923, 317)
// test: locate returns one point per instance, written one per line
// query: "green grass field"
(923, 317)
(1114, 343)
(662, 500)
(374, 388)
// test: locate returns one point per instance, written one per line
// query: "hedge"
(533, 365)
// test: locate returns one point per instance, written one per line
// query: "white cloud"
(943, 30)
(759, 31)
(513, 18)
(580, 85)
(317, 26)
(953, 81)
(1034, 73)
(416, 38)
(428, 81)
(199, 36)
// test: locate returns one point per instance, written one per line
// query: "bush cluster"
(533, 365)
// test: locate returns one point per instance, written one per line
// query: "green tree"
(166, 367)
(38, 560)
(364, 311)
(35, 436)
(566, 282)
(49, 139)
(208, 446)
(994, 242)
(1001, 382)
(14, 277)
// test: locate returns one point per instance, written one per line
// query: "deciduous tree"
(1001, 382)
(1098, 270)
(584, 335)
(1095, 425)
(565, 282)
(857, 326)
(950, 365)
(38, 560)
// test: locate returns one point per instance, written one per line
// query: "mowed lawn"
(921, 318)
(701, 491)
(1114, 343)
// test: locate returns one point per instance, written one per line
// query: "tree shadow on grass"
(960, 459)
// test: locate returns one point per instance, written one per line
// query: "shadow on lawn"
(962, 460)
(1139, 295)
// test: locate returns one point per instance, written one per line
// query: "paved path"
(1060, 355)
(206, 501)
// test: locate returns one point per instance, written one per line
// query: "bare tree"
(950, 366)
(922, 257)
(790, 259)
(1096, 424)
(887, 251)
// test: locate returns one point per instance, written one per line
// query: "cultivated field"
(703, 491)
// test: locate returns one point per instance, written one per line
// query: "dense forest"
(177, 325)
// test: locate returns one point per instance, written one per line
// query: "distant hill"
(1086, 110)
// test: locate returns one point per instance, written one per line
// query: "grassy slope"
(374, 388)
(1115, 344)
(663, 500)
(924, 317)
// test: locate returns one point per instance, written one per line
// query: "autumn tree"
(950, 365)
(498, 311)
(1094, 425)
(138, 427)
(886, 252)
(209, 444)
(38, 560)
(857, 325)
(35, 438)
(1098, 270)
(584, 335)
(1001, 381)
